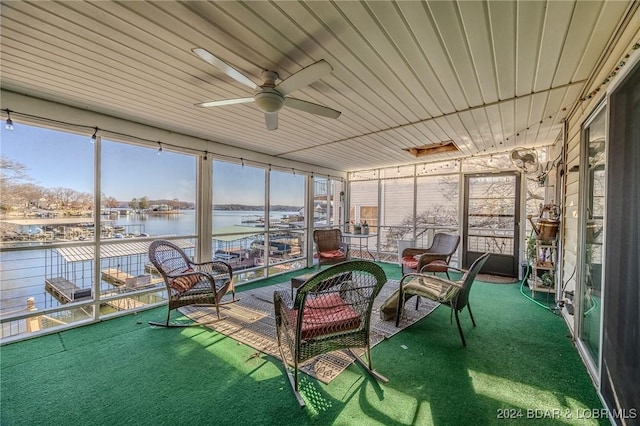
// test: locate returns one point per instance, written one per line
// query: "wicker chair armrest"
(282, 305)
(427, 258)
(436, 255)
(413, 251)
(283, 297)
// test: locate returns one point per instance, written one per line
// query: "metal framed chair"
(330, 248)
(331, 311)
(454, 294)
(433, 259)
(190, 283)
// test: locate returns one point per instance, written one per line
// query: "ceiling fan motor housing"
(269, 100)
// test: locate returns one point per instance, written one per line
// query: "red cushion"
(182, 284)
(410, 262)
(331, 254)
(325, 315)
(437, 266)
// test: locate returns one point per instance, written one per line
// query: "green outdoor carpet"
(519, 363)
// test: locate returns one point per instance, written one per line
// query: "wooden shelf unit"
(546, 252)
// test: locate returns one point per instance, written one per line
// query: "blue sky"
(59, 159)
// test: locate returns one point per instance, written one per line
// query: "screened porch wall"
(415, 204)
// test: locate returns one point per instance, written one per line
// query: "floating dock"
(65, 291)
(115, 276)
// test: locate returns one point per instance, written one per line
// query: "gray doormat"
(496, 279)
(252, 321)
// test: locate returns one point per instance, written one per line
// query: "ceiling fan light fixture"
(269, 101)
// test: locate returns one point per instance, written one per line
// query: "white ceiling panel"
(488, 75)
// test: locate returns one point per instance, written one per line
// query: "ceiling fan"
(269, 96)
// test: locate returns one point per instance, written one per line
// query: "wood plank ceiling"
(487, 75)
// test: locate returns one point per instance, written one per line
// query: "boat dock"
(115, 276)
(122, 303)
(65, 291)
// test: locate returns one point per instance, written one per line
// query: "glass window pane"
(397, 212)
(146, 194)
(239, 216)
(287, 221)
(436, 207)
(593, 183)
(364, 208)
(47, 185)
(321, 201)
(47, 193)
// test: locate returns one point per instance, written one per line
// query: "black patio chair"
(453, 294)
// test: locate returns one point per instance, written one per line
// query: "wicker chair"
(329, 246)
(433, 259)
(331, 311)
(190, 283)
(454, 294)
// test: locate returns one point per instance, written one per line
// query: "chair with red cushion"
(188, 282)
(329, 246)
(330, 311)
(433, 259)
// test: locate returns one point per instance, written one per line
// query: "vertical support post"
(204, 211)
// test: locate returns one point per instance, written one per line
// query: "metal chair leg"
(400, 307)
(379, 377)
(471, 314)
(460, 328)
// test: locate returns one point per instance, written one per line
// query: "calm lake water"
(185, 222)
(22, 273)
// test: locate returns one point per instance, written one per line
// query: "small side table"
(360, 237)
(299, 280)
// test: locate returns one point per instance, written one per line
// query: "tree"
(143, 203)
(13, 185)
(110, 202)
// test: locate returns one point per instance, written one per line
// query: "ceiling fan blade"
(304, 77)
(271, 118)
(224, 67)
(311, 108)
(225, 102)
